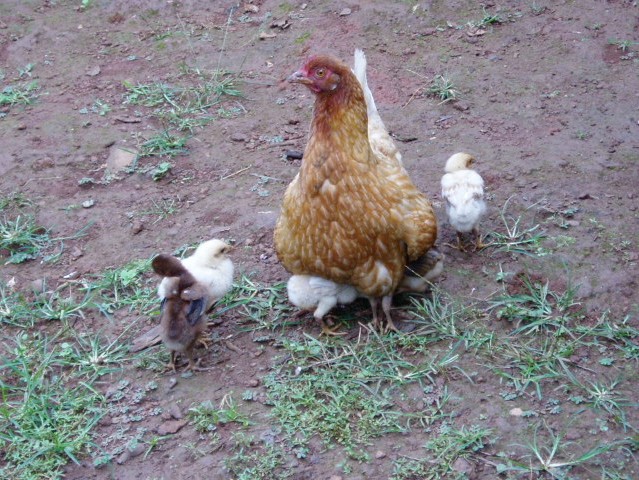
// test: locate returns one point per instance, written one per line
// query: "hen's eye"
(320, 72)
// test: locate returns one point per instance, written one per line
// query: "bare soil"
(547, 105)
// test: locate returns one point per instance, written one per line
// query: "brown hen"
(350, 216)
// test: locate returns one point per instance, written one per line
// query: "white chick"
(463, 192)
(315, 293)
(211, 267)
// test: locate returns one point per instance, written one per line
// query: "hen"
(350, 215)
(463, 192)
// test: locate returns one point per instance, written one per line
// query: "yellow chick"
(463, 192)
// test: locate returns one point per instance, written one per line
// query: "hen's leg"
(323, 307)
(376, 323)
(386, 307)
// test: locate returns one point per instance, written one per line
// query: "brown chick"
(182, 320)
(350, 216)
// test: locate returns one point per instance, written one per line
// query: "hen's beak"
(299, 77)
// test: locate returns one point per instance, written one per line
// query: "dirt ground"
(547, 103)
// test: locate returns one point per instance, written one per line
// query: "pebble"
(171, 426)
(175, 412)
(254, 382)
(379, 455)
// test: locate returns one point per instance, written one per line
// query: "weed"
(516, 239)
(537, 308)
(623, 45)
(48, 409)
(164, 143)
(256, 461)
(161, 171)
(125, 286)
(263, 306)
(548, 458)
(162, 209)
(22, 238)
(19, 95)
(443, 88)
(206, 417)
(445, 448)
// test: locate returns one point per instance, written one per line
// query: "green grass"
(24, 94)
(22, 238)
(49, 408)
(443, 88)
(182, 109)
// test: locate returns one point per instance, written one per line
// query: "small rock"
(294, 154)
(123, 457)
(120, 159)
(264, 35)
(335, 477)
(22, 126)
(172, 383)
(584, 196)
(238, 137)
(516, 412)
(172, 426)
(345, 12)
(252, 383)
(379, 455)
(93, 71)
(88, 203)
(251, 8)
(136, 451)
(39, 285)
(461, 106)
(175, 412)
(463, 466)
(137, 227)
(572, 223)
(76, 253)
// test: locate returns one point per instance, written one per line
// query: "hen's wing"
(380, 140)
(463, 192)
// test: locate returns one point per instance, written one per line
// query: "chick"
(308, 292)
(420, 273)
(463, 192)
(211, 266)
(189, 289)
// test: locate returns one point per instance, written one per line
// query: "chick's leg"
(479, 244)
(171, 364)
(323, 307)
(460, 242)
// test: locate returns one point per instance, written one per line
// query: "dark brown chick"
(182, 321)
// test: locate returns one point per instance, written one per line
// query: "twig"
(235, 173)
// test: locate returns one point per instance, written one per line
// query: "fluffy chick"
(463, 192)
(211, 266)
(308, 292)
(420, 273)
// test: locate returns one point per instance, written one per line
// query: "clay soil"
(547, 101)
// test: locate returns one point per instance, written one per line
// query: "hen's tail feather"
(359, 68)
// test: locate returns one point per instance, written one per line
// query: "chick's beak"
(299, 77)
